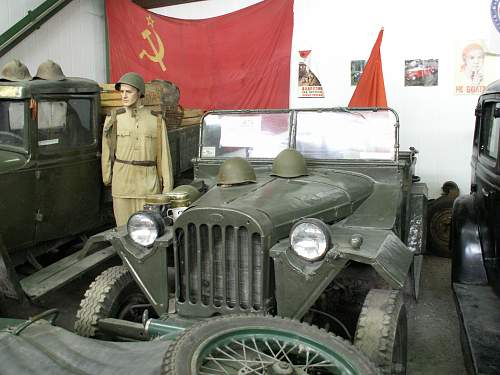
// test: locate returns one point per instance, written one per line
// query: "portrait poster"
(309, 84)
(357, 67)
(475, 68)
(421, 72)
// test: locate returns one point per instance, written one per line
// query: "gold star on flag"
(150, 20)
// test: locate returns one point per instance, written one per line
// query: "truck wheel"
(256, 344)
(381, 332)
(439, 220)
(113, 294)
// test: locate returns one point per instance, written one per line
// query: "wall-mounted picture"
(357, 67)
(420, 72)
(309, 84)
(476, 67)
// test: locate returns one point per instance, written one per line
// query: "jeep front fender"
(148, 266)
(381, 249)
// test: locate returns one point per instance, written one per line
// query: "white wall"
(74, 38)
(15, 10)
(434, 120)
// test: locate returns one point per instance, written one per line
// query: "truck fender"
(465, 244)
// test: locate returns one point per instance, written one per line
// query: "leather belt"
(141, 163)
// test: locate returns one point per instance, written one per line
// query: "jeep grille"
(219, 267)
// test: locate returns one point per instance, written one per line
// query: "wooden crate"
(178, 116)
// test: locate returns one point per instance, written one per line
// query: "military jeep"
(51, 185)
(306, 214)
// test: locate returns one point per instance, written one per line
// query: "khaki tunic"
(137, 140)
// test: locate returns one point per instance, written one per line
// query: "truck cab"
(475, 243)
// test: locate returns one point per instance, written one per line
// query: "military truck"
(50, 181)
(310, 215)
(475, 243)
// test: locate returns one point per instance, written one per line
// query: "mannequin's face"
(130, 94)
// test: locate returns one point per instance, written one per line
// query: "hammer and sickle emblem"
(158, 53)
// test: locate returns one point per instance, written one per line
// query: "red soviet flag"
(370, 91)
(237, 60)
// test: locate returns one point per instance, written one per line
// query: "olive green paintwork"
(49, 195)
(375, 200)
(52, 193)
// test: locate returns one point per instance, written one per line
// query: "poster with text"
(309, 84)
(475, 68)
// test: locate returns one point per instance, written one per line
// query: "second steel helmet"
(16, 71)
(289, 163)
(235, 171)
(50, 71)
(134, 80)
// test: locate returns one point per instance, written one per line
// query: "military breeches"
(123, 208)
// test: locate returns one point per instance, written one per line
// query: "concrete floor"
(433, 331)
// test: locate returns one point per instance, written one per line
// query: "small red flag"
(370, 91)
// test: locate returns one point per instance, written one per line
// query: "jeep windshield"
(12, 120)
(333, 133)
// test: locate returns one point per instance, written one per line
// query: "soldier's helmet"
(16, 71)
(235, 171)
(50, 71)
(289, 163)
(134, 80)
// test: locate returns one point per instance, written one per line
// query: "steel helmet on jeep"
(50, 71)
(134, 80)
(289, 163)
(235, 170)
(15, 70)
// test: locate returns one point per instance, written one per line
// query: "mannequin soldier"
(135, 151)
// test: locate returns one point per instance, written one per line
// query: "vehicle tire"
(381, 332)
(255, 344)
(111, 295)
(439, 221)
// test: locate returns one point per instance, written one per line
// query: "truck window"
(490, 131)
(64, 124)
(12, 132)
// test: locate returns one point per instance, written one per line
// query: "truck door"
(68, 171)
(17, 179)
(488, 184)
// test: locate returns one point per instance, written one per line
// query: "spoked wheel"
(381, 332)
(250, 344)
(113, 294)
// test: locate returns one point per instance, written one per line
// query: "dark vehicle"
(310, 215)
(475, 244)
(51, 184)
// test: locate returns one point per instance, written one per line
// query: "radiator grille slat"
(220, 266)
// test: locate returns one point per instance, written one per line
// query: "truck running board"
(62, 272)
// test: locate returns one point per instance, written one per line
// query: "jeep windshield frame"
(14, 132)
(346, 134)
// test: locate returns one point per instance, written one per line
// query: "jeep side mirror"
(497, 112)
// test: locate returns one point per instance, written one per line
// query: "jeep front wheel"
(381, 332)
(256, 344)
(113, 294)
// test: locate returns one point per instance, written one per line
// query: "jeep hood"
(10, 160)
(284, 201)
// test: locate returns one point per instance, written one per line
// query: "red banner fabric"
(237, 60)
(370, 91)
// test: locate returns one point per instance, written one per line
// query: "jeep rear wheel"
(253, 344)
(381, 332)
(113, 294)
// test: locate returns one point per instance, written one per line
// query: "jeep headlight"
(145, 227)
(310, 239)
